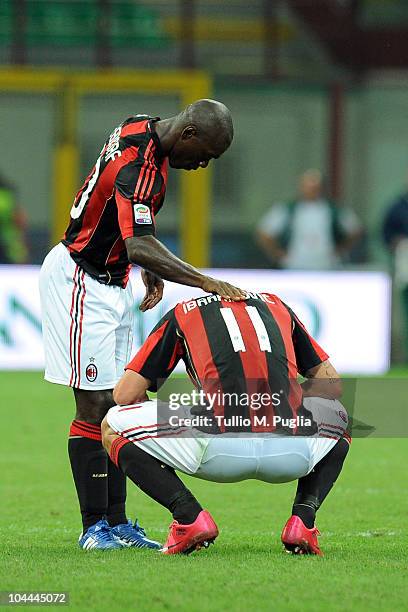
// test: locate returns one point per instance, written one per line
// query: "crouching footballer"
(253, 349)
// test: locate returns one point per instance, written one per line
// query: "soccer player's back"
(245, 350)
(249, 353)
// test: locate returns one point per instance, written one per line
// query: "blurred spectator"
(12, 225)
(395, 235)
(309, 233)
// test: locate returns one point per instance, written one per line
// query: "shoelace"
(139, 529)
(104, 533)
(129, 528)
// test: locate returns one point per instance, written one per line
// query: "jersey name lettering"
(112, 150)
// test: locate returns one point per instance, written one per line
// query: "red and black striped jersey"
(236, 348)
(118, 200)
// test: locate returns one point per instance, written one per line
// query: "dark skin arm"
(150, 254)
(154, 290)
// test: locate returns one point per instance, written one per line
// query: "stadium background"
(311, 84)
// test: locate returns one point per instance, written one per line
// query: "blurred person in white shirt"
(309, 233)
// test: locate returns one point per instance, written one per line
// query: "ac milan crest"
(91, 372)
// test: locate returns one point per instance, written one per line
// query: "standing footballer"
(87, 300)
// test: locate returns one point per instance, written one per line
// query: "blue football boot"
(99, 537)
(128, 534)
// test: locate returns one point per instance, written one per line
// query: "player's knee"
(341, 412)
(329, 411)
(92, 406)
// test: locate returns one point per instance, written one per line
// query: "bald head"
(212, 120)
(201, 132)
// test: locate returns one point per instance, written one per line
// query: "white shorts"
(87, 326)
(229, 458)
(141, 424)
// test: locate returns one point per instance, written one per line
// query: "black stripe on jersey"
(306, 355)
(109, 226)
(227, 362)
(131, 138)
(188, 361)
(128, 176)
(156, 188)
(277, 362)
(75, 226)
(136, 119)
(155, 432)
(158, 361)
(76, 328)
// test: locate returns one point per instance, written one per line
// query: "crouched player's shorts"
(232, 457)
(87, 326)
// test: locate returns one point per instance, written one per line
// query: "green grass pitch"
(363, 522)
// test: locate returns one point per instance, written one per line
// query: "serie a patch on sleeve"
(142, 214)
